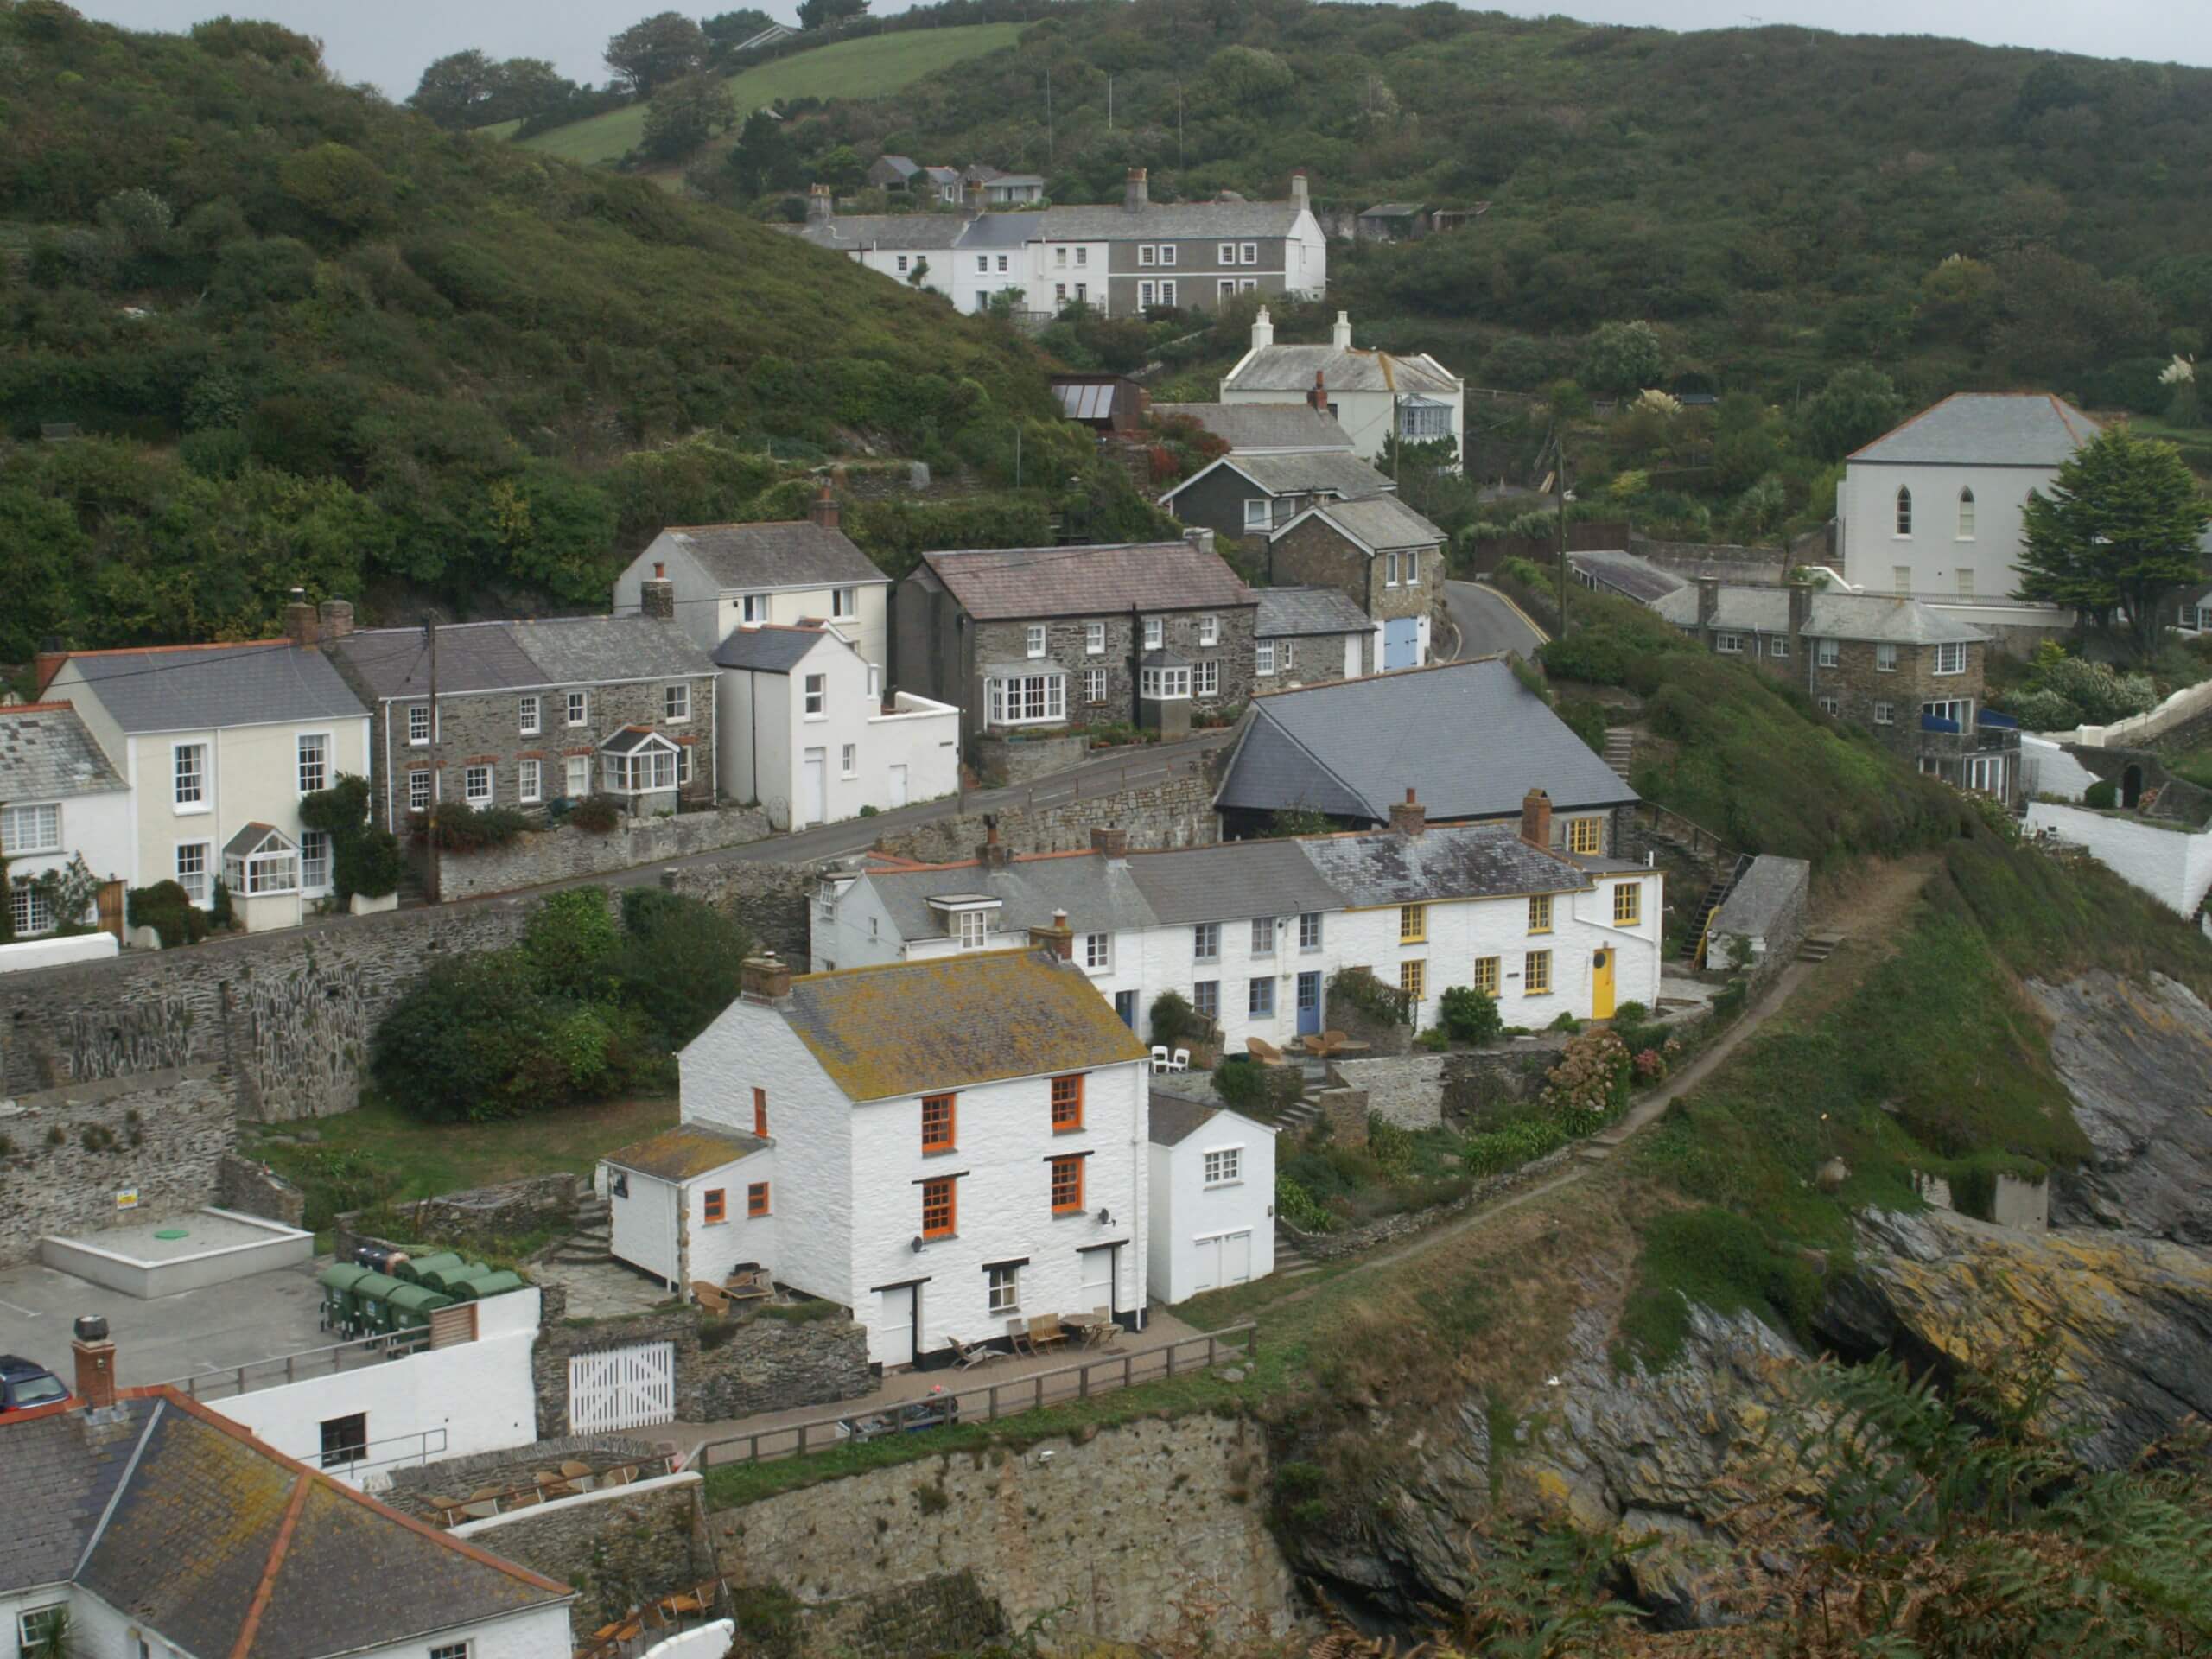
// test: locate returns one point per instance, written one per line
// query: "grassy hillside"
(869, 67)
(310, 339)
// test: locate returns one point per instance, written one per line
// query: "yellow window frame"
(1540, 912)
(1413, 979)
(1536, 974)
(1412, 924)
(1628, 904)
(1486, 975)
(1584, 836)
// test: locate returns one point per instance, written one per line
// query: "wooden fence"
(987, 1401)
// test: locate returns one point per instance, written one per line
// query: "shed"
(1766, 911)
(1104, 402)
(1211, 1221)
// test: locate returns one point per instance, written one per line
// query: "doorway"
(1309, 1005)
(897, 787)
(1402, 642)
(814, 786)
(1601, 985)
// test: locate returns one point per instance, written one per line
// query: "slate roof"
(905, 166)
(1987, 429)
(768, 649)
(1115, 223)
(1342, 368)
(796, 553)
(1881, 618)
(188, 687)
(1329, 472)
(1628, 574)
(1233, 880)
(1295, 613)
(1098, 895)
(687, 1150)
(997, 583)
(1472, 738)
(473, 656)
(899, 232)
(1379, 521)
(224, 1545)
(46, 753)
(1391, 210)
(1768, 890)
(1251, 427)
(952, 1022)
(1173, 1120)
(1468, 860)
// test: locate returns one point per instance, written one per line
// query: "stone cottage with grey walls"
(1380, 554)
(1041, 638)
(530, 713)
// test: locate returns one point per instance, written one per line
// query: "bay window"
(1027, 699)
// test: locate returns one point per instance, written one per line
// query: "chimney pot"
(1298, 195)
(301, 626)
(765, 978)
(1318, 397)
(1059, 938)
(1341, 335)
(1263, 330)
(820, 204)
(1408, 816)
(1536, 819)
(337, 617)
(95, 1357)
(823, 509)
(991, 855)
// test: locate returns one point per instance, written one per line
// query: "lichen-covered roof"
(1884, 618)
(1342, 368)
(47, 754)
(1467, 861)
(687, 1150)
(1263, 429)
(57, 1472)
(951, 1022)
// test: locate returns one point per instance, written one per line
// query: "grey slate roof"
(1769, 888)
(796, 553)
(57, 1474)
(1468, 860)
(519, 656)
(1252, 427)
(1099, 896)
(1987, 429)
(187, 687)
(1292, 368)
(1172, 1120)
(1628, 574)
(1235, 879)
(858, 232)
(1314, 472)
(46, 754)
(580, 650)
(1295, 613)
(1468, 735)
(999, 583)
(1883, 618)
(767, 648)
(1381, 522)
(1161, 219)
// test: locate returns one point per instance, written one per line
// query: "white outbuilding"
(1213, 1199)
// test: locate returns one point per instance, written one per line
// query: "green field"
(863, 68)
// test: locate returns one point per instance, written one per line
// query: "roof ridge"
(38, 708)
(1383, 674)
(155, 650)
(860, 968)
(121, 1481)
(266, 1591)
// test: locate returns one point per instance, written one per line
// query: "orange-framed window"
(717, 1204)
(1067, 1185)
(756, 1198)
(936, 1122)
(940, 1208)
(761, 1113)
(1067, 1102)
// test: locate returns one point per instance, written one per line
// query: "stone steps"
(1290, 1261)
(1818, 947)
(590, 1240)
(1620, 750)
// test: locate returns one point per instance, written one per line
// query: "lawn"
(862, 68)
(377, 1151)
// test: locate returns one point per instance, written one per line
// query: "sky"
(388, 42)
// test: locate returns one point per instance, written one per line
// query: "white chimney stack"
(1263, 331)
(1340, 337)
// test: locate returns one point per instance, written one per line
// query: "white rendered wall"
(643, 1224)
(709, 616)
(100, 828)
(1186, 1210)
(925, 738)
(1866, 518)
(53, 953)
(478, 1392)
(2173, 866)
(718, 1246)
(2051, 770)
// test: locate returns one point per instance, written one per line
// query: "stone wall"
(1328, 1247)
(1408, 1090)
(1067, 651)
(1010, 760)
(1174, 812)
(617, 1551)
(414, 1486)
(949, 1613)
(254, 1189)
(1480, 1085)
(1109, 1533)
(536, 856)
(771, 901)
(1383, 1037)
(163, 1134)
(1761, 566)
(492, 1218)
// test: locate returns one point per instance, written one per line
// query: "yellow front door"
(1601, 985)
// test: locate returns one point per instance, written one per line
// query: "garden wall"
(490, 1217)
(2171, 864)
(1008, 760)
(1329, 1247)
(536, 856)
(181, 1120)
(1408, 1090)
(1174, 812)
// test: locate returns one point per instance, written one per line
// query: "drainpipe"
(387, 704)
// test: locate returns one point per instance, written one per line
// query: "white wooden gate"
(622, 1387)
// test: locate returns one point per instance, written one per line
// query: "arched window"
(1966, 515)
(1904, 513)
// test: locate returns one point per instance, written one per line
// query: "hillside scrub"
(310, 340)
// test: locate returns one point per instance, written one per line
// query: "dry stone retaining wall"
(1021, 760)
(617, 1552)
(1174, 812)
(536, 856)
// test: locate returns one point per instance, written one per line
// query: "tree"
(2118, 531)
(454, 90)
(762, 159)
(920, 272)
(1247, 78)
(828, 13)
(726, 29)
(1856, 406)
(685, 114)
(663, 47)
(1624, 357)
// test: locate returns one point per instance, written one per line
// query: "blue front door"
(1402, 642)
(1125, 1004)
(1309, 1004)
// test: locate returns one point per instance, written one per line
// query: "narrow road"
(1487, 622)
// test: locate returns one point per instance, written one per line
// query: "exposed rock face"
(2137, 1061)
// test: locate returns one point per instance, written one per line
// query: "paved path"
(1487, 622)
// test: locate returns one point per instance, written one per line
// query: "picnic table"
(937, 1411)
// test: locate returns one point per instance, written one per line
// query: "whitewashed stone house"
(61, 798)
(1213, 1199)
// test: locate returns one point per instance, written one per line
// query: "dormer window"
(967, 917)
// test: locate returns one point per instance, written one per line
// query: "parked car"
(25, 1384)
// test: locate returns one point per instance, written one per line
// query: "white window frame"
(578, 708)
(1208, 683)
(1903, 532)
(1156, 633)
(1145, 295)
(479, 787)
(683, 766)
(641, 771)
(849, 760)
(845, 602)
(324, 743)
(197, 800)
(1965, 514)
(1826, 653)
(1001, 261)
(1986, 775)
(419, 725)
(1248, 284)
(315, 860)
(453, 1650)
(1247, 253)
(1166, 253)
(1209, 630)
(1044, 694)
(1094, 685)
(1098, 953)
(199, 886)
(1094, 639)
(1885, 658)
(1222, 1166)
(1310, 930)
(418, 795)
(971, 928)
(1952, 708)
(1285, 655)
(1165, 684)
(1059, 256)
(45, 835)
(1082, 255)
(1032, 641)
(1145, 255)
(263, 875)
(529, 782)
(1263, 658)
(1831, 707)
(1225, 289)
(675, 704)
(814, 697)
(27, 1637)
(902, 263)
(752, 608)
(1224, 253)
(1886, 714)
(1002, 1290)
(1778, 646)
(1728, 644)
(570, 767)
(1263, 937)
(1951, 657)
(529, 711)
(1259, 512)
(1390, 570)
(1412, 566)
(1963, 579)
(1168, 295)
(30, 909)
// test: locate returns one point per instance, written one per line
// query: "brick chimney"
(1059, 938)
(1708, 602)
(337, 617)
(1298, 196)
(1136, 194)
(992, 854)
(820, 204)
(95, 1362)
(301, 627)
(823, 508)
(1536, 819)
(656, 594)
(974, 192)
(1801, 610)
(764, 978)
(1114, 843)
(1318, 396)
(47, 663)
(1408, 816)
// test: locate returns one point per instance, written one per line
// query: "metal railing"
(988, 1401)
(274, 1373)
(417, 1448)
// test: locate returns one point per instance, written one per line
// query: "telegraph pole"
(1559, 460)
(437, 885)
(1110, 103)
(1051, 154)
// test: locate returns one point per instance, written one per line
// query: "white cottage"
(1373, 395)
(950, 1149)
(1213, 1199)
(61, 798)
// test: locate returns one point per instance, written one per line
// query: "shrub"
(2103, 795)
(1469, 1015)
(464, 829)
(166, 909)
(469, 1041)
(595, 814)
(1300, 1207)
(679, 963)
(570, 939)
(220, 912)
(1244, 1085)
(1588, 1086)
(363, 859)
(1383, 1003)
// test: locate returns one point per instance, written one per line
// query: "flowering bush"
(1588, 1087)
